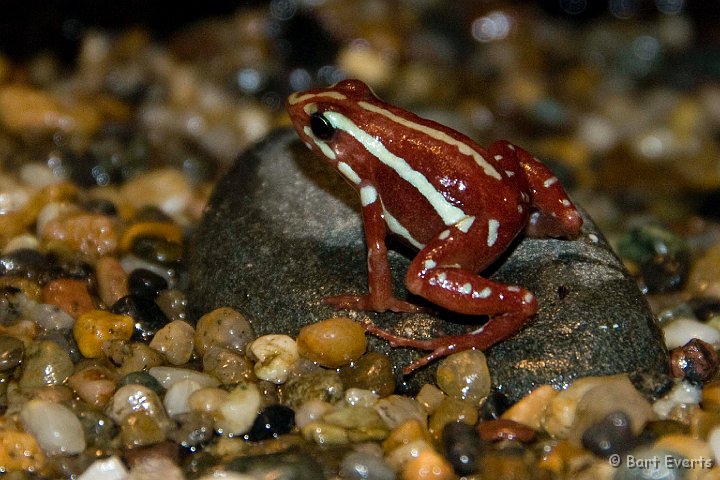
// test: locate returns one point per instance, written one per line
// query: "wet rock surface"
(283, 230)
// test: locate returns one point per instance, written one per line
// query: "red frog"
(459, 205)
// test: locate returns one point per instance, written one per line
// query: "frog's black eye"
(321, 127)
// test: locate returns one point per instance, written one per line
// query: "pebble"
(651, 384)
(100, 430)
(398, 457)
(173, 304)
(291, 464)
(611, 435)
(176, 341)
(372, 371)
(504, 429)
(142, 237)
(227, 366)
(681, 331)
(46, 363)
(133, 356)
(451, 410)
(140, 429)
(276, 355)
(696, 361)
(96, 327)
(362, 424)
(110, 468)
(20, 451)
(683, 393)
(357, 397)
(461, 447)
(711, 396)
(56, 428)
(323, 433)
(24, 262)
(95, 385)
(168, 376)
(530, 410)
(207, 399)
(311, 411)
(430, 397)
(176, 400)
(647, 466)
(70, 295)
(428, 465)
(145, 283)
(324, 385)
(112, 281)
(170, 273)
(49, 317)
(332, 343)
(142, 378)
(271, 422)
(406, 433)
(166, 189)
(397, 409)
(223, 327)
(147, 316)
(686, 446)
(194, 429)
(11, 352)
(91, 234)
(465, 375)
(365, 466)
(236, 415)
(704, 280)
(136, 398)
(494, 405)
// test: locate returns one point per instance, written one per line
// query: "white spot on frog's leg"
(444, 234)
(465, 224)
(534, 218)
(429, 264)
(397, 228)
(308, 145)
(493, 226)
(549, 182)
(348, 172)
(498, 157)
(484, 293)
(513, 288)
(467, 288)
(520, 208)
(529, 297)
(368, 195)
(441, 277)
(509, 173)
(511, 146)
(565, 202)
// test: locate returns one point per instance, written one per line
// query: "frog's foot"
(496, 329)
(370, 303)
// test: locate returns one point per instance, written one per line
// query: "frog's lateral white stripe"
(450, 214)
(295, 98)
(324, 147)
(436, 134)
(348, 172)
(465, 224)
(397, 228)
(368, 195)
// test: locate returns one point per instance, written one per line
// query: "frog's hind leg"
(554, 214)
(444, 272)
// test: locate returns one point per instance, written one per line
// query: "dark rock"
(651, 384)
(461, 447)
(283, 230)
(292, 464)
(11, 352)
(373, 371)
(157, 250)
(144, 283)
(612, 435)
(272, 421)
(147, 315)
(142, 378)
(494, 406)
(23, 262)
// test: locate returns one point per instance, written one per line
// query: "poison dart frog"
(459, 205)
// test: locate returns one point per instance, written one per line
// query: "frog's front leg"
(380, 296)
(444, 272)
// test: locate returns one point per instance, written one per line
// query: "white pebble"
(227, 476)
(360, 397)
(397, 409)
(237, 413)
(311, 411)
(176, 341)
(714, 442)
(136, 398)
(155, 467)
(167, 376)
(49, 317)
(276, 355)
(682, 330)
(50, 212)
(56, 428)
(684, 393)
(110, 468)
(176, 398)
(22, 241)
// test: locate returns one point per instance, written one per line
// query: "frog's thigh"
(445, 272)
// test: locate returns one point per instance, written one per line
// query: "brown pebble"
(69, 294)
(503, 429)
(332, 343)
(92, 234)
(112, 280)
(696, 360)
(167, 449)
(166, 231)
(27, 287)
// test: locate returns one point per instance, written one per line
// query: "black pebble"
(147, 315)
(612, 435)
(157, 250)
(494, 405)
(705, 308)
(272, 422)
(651, 384)
(145, 283)
(461, 446)
(23, 262)
(101, 206)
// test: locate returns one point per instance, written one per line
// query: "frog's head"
(328, 119)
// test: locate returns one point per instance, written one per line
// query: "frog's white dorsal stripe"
(464, 148)
(450, 214)
(297, 98)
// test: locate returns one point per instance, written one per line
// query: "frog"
(459, 206)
